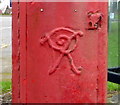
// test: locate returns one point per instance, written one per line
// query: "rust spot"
(94, 20)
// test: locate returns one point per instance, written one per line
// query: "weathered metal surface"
(61, 61)
(15, 55)
(19, 49)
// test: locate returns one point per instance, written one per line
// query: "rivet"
(41, 9)
(75, 10)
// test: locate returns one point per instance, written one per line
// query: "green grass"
(5, 86)
(113, 53)
(113, 87)
(113, 46)
(4, 14)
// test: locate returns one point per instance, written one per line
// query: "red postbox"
(59, 52)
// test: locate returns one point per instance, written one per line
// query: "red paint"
(60, 41)
(50, 43)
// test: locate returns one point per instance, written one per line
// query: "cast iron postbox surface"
(59, 52)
